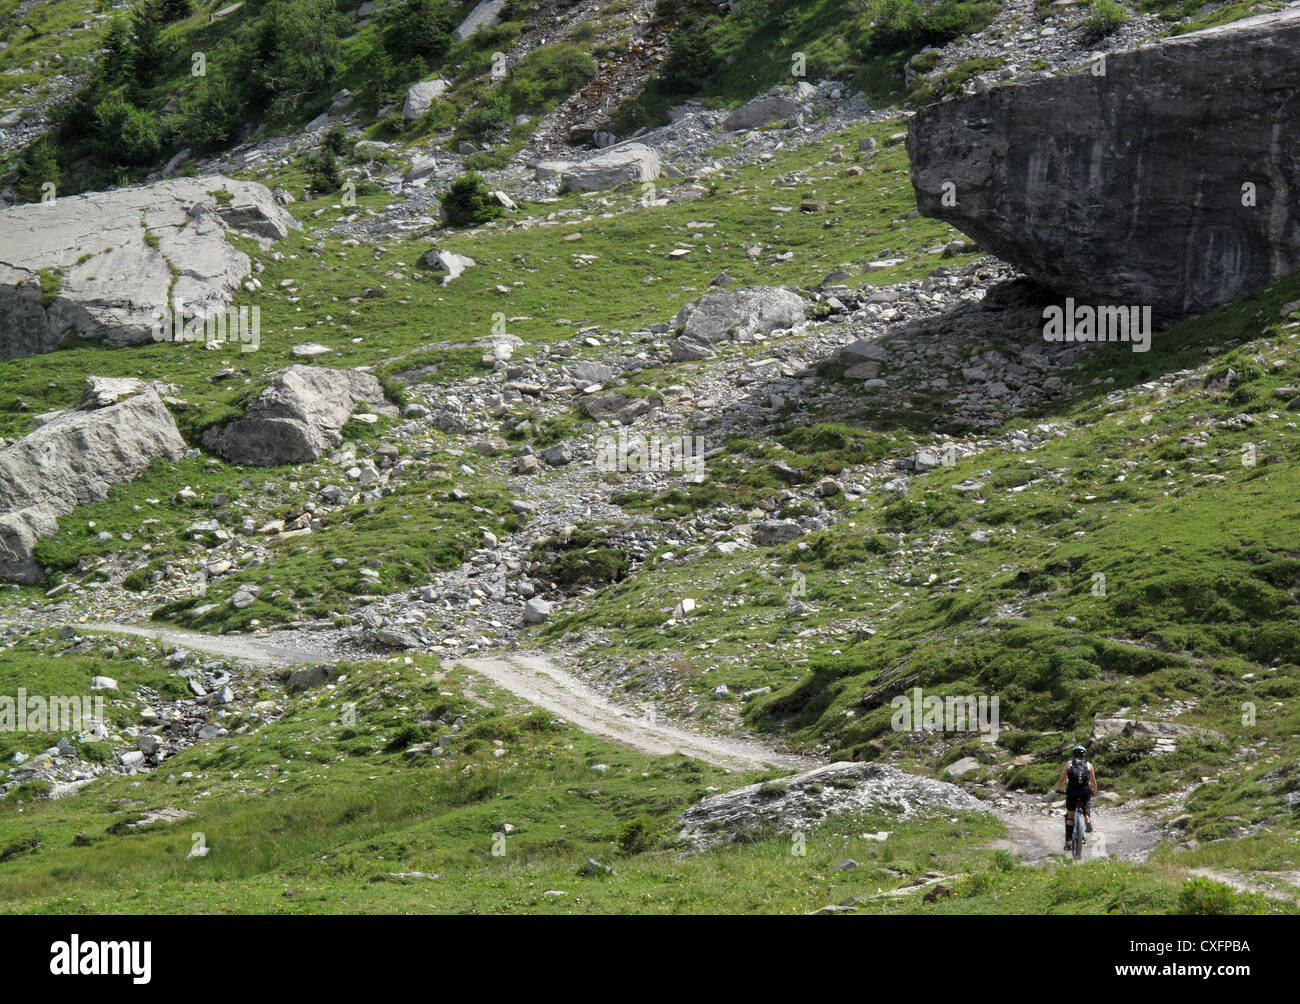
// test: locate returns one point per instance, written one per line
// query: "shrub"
(323, 171)
(905, 24)
(335, 139)
(212, 114)
(38, 166)
(547, 75)
(486, 119)
(1202, 897)
(126, 135)
(692, 58)
(295, 53)
(407, 735)
(95, 752)
(1104, 18)
(469, 203)
(634, 837)
(417, 28)
(117, 46)
(147, 51)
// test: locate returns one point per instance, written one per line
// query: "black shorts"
(1079, 801)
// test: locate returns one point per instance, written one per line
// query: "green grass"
(46, 666)
(1187, 13)
(311, 815)
(405, 536)
(1195, 548)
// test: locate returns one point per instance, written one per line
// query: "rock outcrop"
(628, 162)
(760, 111)
(72, 459)
(113, 262)
(420, 97)
(1171, 181)
(738, 315)
(298, 417)
(803, 800)
(484, 15)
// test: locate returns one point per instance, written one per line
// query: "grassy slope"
(310, 815)
(1197, 550)
(554, 292)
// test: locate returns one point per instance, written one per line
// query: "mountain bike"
(1078, 838)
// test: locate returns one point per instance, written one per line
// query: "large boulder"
(298, 417)
(72, 459)
(485, 15)
(122, 258)
(760, 111)
(628, 162)
(1128, 189)
(420, 97)
(738, 315)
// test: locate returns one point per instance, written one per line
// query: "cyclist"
(1079, 783)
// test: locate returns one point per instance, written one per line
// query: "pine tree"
(147, 53)
(39, 165)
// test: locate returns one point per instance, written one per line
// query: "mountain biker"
(1079, 783)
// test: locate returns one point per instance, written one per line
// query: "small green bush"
(1104, 18)
(1202, 897)
(634, 837)
(323, 171)
(126, 135)
(469, 203)
(407, 735)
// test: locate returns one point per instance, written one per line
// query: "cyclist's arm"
(1092, 776)
(1060, 781)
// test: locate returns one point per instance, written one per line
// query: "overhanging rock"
(1171, 181)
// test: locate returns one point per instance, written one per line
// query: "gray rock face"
(120, 253)
(629, 162)
(741, 314)
(420, 97)
(770, 532)
(486, 15)
(297, 418)
(1127, 188)
(72, 460)
(691, 348)
(796, 802)
(760, 111)
(863, 351)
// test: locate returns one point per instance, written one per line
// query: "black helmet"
(1079, 751)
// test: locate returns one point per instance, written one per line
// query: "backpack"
(1077, 773)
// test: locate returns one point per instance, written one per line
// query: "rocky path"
(1036, 830)
(538, 680)
(289, 648)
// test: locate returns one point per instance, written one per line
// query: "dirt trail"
(539, 681)
(1035, 830)
(290, 649)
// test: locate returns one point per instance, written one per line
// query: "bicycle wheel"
(1076, 844)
